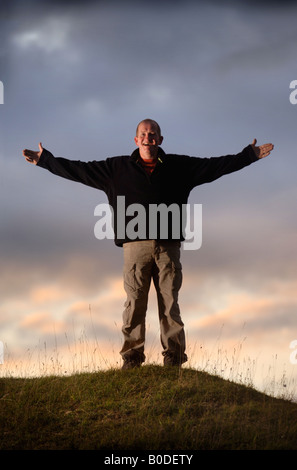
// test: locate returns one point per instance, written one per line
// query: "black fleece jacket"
(170, 183)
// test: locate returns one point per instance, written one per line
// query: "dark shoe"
(170, 360)
(130, 364)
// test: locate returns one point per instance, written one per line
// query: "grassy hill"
(153, 408)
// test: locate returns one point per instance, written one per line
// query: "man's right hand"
(31, 156)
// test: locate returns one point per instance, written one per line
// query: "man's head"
(148, 138)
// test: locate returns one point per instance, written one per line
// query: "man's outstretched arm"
(206, 170)
(96, 174)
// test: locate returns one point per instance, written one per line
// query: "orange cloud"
(43, 322)
(46, 293)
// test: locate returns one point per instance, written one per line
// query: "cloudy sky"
(79, 76)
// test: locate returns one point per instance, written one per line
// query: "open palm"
(32, 156)
(263, 150)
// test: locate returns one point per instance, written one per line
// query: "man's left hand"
(263, 150)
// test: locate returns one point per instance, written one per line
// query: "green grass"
(151, 408)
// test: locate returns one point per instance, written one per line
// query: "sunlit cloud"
(41, 322)
(46, 294)
(269, 309)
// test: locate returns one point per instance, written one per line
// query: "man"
(149, 177)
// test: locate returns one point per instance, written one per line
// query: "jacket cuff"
(43, 158)
(252, 154)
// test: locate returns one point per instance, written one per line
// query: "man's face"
(148, 140)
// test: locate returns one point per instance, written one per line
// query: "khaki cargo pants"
(160, 261)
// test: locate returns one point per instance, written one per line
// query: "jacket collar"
(161, 155)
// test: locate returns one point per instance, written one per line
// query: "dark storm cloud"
(83, 69)
(102, 57)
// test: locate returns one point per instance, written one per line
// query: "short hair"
(149, 121)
